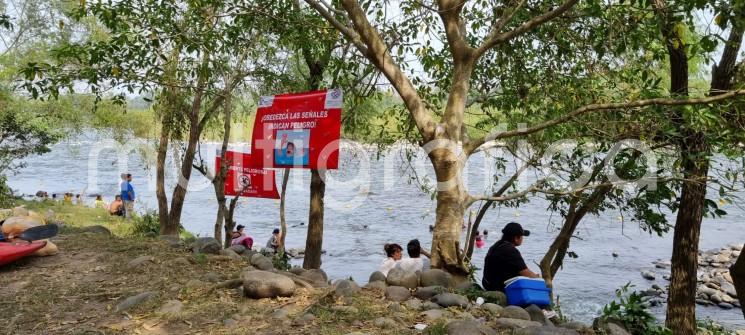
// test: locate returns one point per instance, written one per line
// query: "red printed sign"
(249, 182)
(298, 130)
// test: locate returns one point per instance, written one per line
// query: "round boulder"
(426, 293)
(263, 284)
(397, 293)
(468, 327)
(398, 277)
(515, 312)
(238, 248)
(436, 277)
(345, 288)
(206, 245)
(450, 299)
(261, 262)
(376, 276)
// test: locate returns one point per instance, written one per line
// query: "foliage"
(631, 311)
(281, 261)
(438, 328)
(146, 225)
(709, 327)
(6, 194)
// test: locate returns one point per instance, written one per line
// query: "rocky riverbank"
(715, 287)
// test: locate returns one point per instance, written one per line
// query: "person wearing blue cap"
(504, 261)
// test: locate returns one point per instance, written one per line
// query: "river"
(370, 202)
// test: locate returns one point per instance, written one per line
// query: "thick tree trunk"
(229, 222)
(179, 192)
(681, 308)
(160, 178)
(451, 197)
(737, 271)
(314, 241)
(282, 221)
(219, 179)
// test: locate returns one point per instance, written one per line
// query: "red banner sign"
(244, 180)
(298, 130)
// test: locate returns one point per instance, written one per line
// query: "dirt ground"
(76, 291)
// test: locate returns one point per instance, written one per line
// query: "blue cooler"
(523, 291)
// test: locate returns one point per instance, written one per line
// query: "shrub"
(147, 225)
(633, 313)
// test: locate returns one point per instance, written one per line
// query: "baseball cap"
(515, 229)
(275, 231)
(240, 226)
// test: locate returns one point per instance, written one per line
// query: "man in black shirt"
(503, 261)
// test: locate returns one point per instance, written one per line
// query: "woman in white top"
(415, 262)
(393, 251)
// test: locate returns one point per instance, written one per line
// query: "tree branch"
(475, 144)
(497, 38)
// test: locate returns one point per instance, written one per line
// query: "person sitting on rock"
(99, 203)
(503, 261)
(117, 206)
(241, 238)
(414, 263)
(274, 240)
(393, 253)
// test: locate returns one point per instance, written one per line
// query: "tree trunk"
(737, 271)
(160, 178)
(282, 222)
(681, 308)
(219, 179)
(451, 196)
(229, 222)
(179, 192)
(314, 241)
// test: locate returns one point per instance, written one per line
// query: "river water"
(375, 200)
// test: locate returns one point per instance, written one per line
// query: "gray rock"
(450, 299)
(232, 254)
(304, 320)
(413, 304)
(499, 297)
(171, 307)
(395, 307)
(729, 289)
(707, 291)
(574, 325)
(468, 327)
(703, 302)
(398, 277)
(515, 312)
(428, 305)
(397, 293)
(385, 323)
(96, 230)
(376, 285)
(138, 263)
(725, 305)
(315, 275)
(263, 284)
(434, 314)
(545, 330)
(261, 262)
(345, 288)
(206, 245)
(536, 314)
(735, 247)
(237, 248)
(666, 277)
(649, 275)
(173, 241)
(133, 301)
(296, 270)
(436, 277)
(516, 323)
(426, 293)
(467, 285)
(609, 327)
(377, 276)
(279, 314)
(211, 277)
(345, 309)
(229, 323)
(721, 258)
(494, 309)
(716, 298)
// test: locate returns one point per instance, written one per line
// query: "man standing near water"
(128, 196)
(503, 261)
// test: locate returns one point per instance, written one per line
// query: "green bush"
(147, 225)
(633, 313)
(709, 327)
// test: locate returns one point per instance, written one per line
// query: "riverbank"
(107, 280)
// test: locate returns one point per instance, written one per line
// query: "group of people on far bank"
(503, 261)
(122, 204)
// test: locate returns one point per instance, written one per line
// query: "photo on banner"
(244, 180)
(298, 130)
